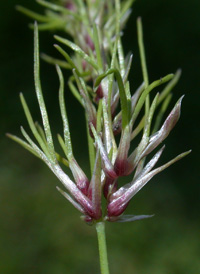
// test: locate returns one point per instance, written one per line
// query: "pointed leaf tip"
(132, 218)
(170, 122)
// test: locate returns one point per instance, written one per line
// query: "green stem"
(100, 227)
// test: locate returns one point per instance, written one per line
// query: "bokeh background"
(40, 232)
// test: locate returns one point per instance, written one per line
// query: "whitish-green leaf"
(132, 218)
(71, 200)
(107, 165)
(40, 95)
(66, 132)
(140, 174)
(166, 128)
(131, 189)
(95, 186)
(36, 148)
(161, 112)
(89, 107)
(107, 128)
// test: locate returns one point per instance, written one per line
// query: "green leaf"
(75, 92)
(138, 129)
(121, 58)
(169, 86)
(41, 132)
(99, 114)
(142, 98)
(62, 144)
(32, 126)
(142, 52)
(110, 78)
(126, 6)
(143, 62)
(150, 116)
(22, 143)
(34, 15)
(54, 61)
(78, 50)
(97, 47)
(62, 160)
(122, 92)
(67, 57)
(128, 67)
(58, 8)
(53, 24)
(117, 22)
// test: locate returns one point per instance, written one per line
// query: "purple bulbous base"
(116, 208)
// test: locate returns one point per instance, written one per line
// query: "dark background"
(40, 232)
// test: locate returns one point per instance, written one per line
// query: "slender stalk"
(143, 61)
(100, 228)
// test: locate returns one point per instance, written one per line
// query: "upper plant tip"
(182, 97)
(58, 69)
(168, 77)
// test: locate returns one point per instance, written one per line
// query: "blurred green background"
(40, 232)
